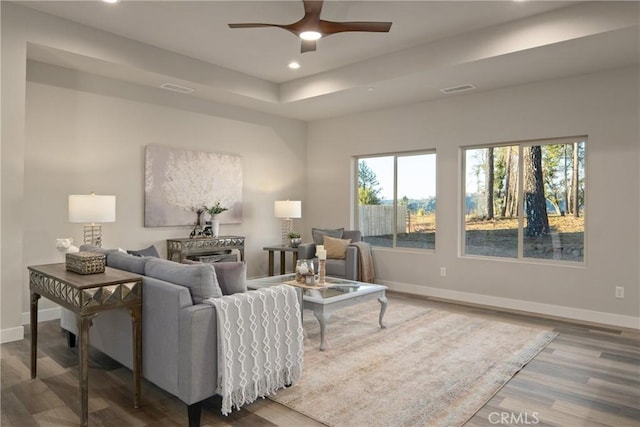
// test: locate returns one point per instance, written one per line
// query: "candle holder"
(322, 270)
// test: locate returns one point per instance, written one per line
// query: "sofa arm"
(163, 303)
(198, 354)
(351, 263)
(306, 251)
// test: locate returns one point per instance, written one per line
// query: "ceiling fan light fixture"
(310, 35)
(311, 27)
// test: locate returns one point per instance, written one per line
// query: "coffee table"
(324, 300)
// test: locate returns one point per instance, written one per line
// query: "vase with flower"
(213, 211)
(294, 239)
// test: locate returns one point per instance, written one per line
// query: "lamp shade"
(92, 208)
(287, 209)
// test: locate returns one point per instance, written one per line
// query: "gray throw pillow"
(319, 233)
(126, 262)
(231, 277)
(199, 278)
(150, 251)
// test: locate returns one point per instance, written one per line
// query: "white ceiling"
(431, 45)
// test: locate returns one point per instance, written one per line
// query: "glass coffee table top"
(334, 288)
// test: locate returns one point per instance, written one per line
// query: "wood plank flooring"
(588, 376)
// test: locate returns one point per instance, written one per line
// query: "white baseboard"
(17, 333)
(11, 334)
(43, 315)
(558, 311)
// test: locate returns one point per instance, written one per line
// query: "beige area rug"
(430, 367)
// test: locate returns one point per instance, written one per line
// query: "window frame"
(520, 206)
(356, 209)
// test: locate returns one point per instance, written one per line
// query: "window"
(397, 200)
(526, 200)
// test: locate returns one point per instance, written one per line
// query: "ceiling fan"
(310, 27)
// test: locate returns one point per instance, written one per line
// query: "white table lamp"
(286, 210)
(92, 209)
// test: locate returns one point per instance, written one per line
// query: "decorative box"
(85, 262)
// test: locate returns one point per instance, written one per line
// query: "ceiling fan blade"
(310, 20)
(251, 25)
(308, 46)
(312, 9)
(330, 27)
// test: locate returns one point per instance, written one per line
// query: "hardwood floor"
(588, 376)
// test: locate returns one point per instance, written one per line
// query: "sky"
(416, 175)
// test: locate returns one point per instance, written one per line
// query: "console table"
(183, 248)
(87, 295)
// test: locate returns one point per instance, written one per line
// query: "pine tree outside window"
(526, 200)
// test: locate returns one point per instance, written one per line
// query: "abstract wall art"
(179, 182)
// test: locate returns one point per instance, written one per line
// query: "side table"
(283, 250)
(87, 296)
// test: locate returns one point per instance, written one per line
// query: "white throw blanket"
(260, 344)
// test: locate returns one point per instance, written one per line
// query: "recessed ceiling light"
(460, 88)
(371, 88)
(176, 88)
(111, 1)
(310, 35)
(294, 65)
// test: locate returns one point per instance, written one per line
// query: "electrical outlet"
(443, 271)
(619, 292)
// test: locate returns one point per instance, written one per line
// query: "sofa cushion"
(94, 248)
(150, 251)
(126, 262)
(319, 233)
(231, 277)
(199, 278)
(336, 248)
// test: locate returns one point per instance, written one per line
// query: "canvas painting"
(178, 182)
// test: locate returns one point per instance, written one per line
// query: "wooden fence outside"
(377, 220)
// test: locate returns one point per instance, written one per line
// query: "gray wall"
(603, 106)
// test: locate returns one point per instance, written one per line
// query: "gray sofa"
(346, 268)
(179, 332)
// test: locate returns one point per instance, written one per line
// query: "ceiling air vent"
(176, 88)
(456, 89)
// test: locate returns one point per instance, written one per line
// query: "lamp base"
(287, 227)
(93, 235)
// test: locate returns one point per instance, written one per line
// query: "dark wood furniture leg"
(34, 332)
(282, 261)
(136, 319)
(295, 260)
(83, 364)
(71, 339)
(271, 262)
(194, 411)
